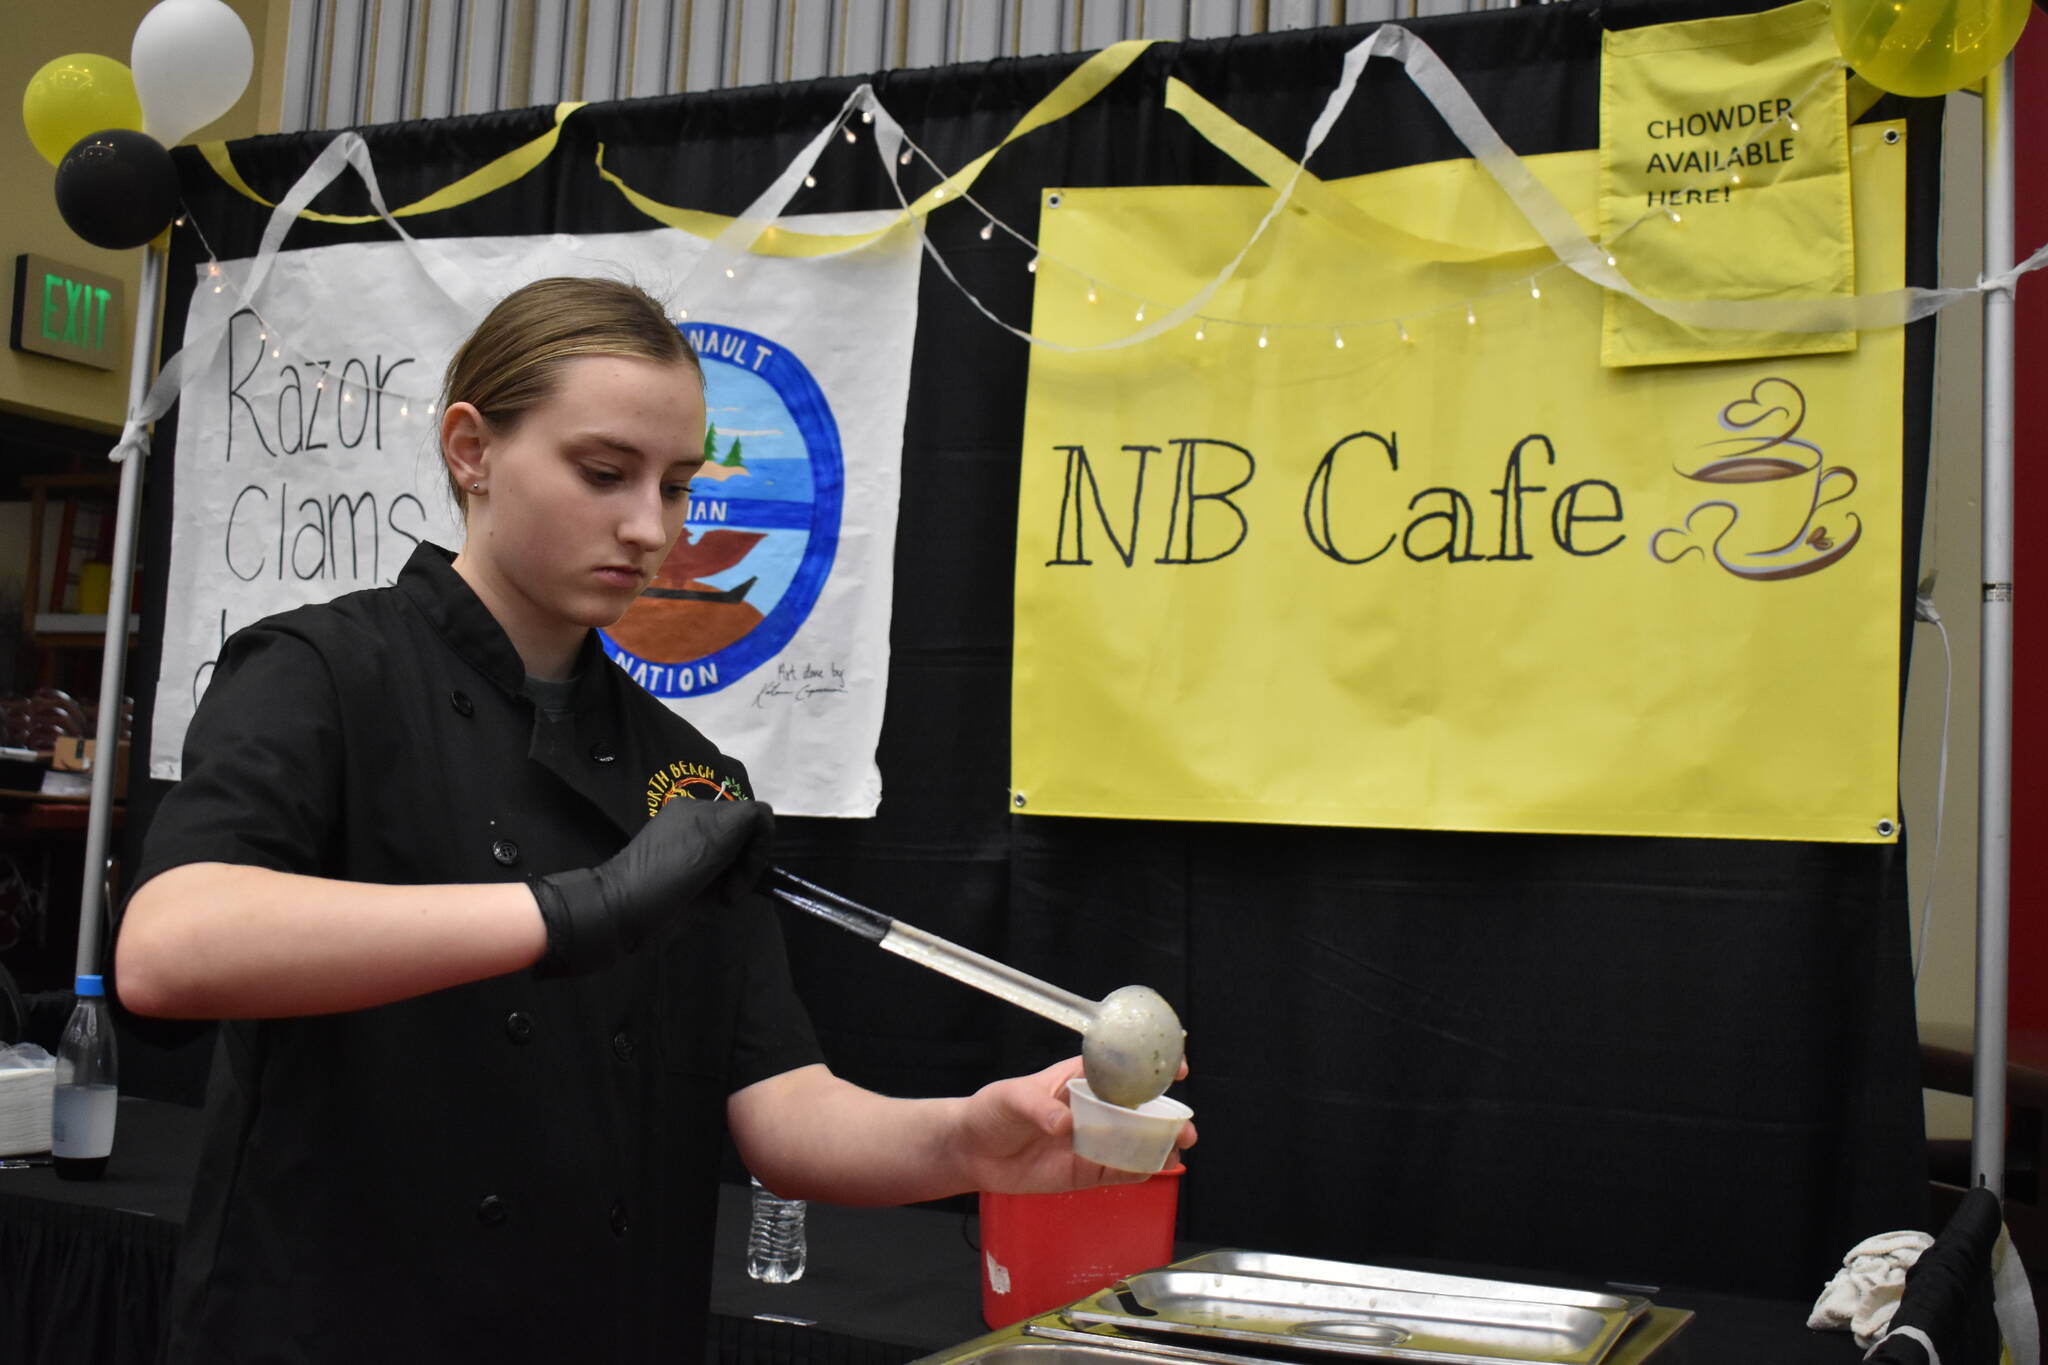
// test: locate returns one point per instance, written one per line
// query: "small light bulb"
(849, 135)
(867, 116)
(1031, 266)
(1794, 122)
(263, 336)
(216, 289)
(810, 182)
(347, 397)
(938, 192)
(988, 229)
(405, 409)
(1091, 293)
(1610, 260)
(213, 267)
(730, 273)
(1674, 215)
(1339, 336)
(1735, 179)
(1471, 318)
(904, 160)
(274, 353)
(1262, 338)
(1402, 328)
(682, 315)
(321, 382)
(430, 409)
(1535, 290)
(181, 217)
(1200, 331)
(1141, 312)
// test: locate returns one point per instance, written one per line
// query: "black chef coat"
(517, 1169)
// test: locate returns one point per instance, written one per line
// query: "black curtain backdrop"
(1660, 1061)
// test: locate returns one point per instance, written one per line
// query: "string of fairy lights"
(1400, 328)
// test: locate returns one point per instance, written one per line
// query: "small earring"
(476, 488)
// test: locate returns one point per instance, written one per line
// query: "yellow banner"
(1381, 542)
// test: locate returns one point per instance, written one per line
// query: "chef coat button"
(505, 851)
(619, 1221)
(518, 1027)
(622, 1047)
(461, 702)
(491, 1211)
(602, 752)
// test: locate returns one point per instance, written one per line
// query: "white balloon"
(191, 60)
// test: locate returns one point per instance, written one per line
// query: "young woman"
(487, 1021)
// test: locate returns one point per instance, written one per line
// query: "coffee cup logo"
(1773, 486)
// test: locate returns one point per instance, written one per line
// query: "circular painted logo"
(762, 530)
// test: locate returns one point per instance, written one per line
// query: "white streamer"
(347, 151)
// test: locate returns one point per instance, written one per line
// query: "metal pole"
(1994, 767)
(113, 662)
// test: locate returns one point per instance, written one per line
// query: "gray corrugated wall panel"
(1212, 18)
(656, 30)
(751, 51)
(1103, 22)
(813, 39)
(604, 50)
(863, 40)
(388, 90)
(927, 33)
(1163, 19)
(980, 30)
(346, 26)
(1039, 28)
(302, 58)
(550, 24)
(705, 24)
(440, 59)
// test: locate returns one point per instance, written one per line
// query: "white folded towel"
(1866, 1290)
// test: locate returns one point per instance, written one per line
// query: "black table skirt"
(85, 1269)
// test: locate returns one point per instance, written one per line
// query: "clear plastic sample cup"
(1139, 1140)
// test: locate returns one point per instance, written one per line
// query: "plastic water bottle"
(82, 1105)
(775, 1238)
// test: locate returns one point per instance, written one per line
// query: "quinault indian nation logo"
(762, 529)
(1771, 488)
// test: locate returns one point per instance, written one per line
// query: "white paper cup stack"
(27, 1074)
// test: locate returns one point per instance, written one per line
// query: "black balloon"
(117, 188)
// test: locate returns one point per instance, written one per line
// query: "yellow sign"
(1737, 128)
(1379, 541)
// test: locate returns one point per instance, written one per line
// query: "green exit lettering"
(74, 313)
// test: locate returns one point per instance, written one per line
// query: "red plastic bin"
(1039, 1251)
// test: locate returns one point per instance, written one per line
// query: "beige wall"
(1949, 551)
(39, 30)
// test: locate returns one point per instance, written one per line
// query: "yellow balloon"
(1927, 47)
(76, 95)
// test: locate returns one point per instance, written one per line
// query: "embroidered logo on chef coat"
(762, 530)
(696, 781)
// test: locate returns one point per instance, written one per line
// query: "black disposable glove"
(691, 851)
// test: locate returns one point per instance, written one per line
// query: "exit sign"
(64, 311)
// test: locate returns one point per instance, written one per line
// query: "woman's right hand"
(690, 850)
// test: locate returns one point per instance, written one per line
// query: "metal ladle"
(1131, 1040)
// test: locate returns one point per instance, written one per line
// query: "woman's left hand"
(1017, 1136)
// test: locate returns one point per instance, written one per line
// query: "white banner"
(307, 467)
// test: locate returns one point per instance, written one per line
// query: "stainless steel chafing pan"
(1373, 1311)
